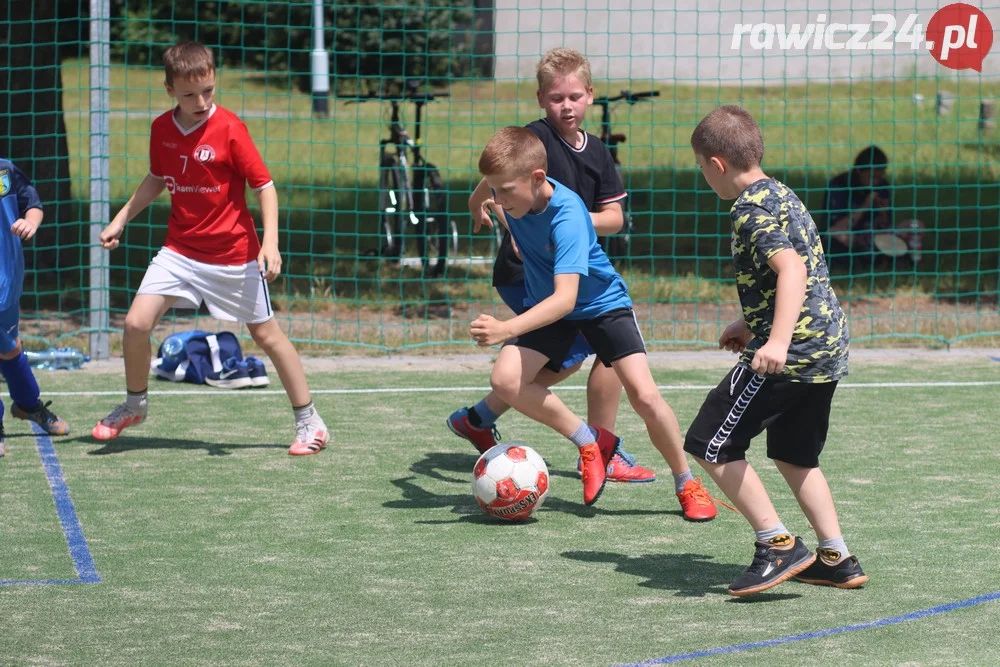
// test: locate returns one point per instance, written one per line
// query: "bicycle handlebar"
(405, 97)
(628, 96)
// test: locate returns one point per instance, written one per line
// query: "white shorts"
(237, 293)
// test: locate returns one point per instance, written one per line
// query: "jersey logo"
(4, 182)
(171, 184)
(204, 153)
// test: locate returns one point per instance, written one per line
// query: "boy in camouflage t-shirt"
(793, 341)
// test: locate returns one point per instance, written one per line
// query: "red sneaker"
(593, 474)
(623, 468)
(609, 444)
(696, 503)
(481, 438)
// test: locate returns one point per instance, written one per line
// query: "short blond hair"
(188, 60)
(513, 151)
(730, 133)
(563, 61)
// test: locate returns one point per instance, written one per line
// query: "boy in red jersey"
(204, 156)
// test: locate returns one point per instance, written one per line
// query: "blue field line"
(83, 562)
(911, 616)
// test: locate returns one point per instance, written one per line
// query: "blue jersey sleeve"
(570, 238)
(27, 196)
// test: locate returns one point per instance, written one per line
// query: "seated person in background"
(857, 204)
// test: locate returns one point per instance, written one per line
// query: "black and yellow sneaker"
(773, 562)
(826, 571)
(43, 417)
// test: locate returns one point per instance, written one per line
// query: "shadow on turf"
(457, 469)
(690, 575)
(131, 444)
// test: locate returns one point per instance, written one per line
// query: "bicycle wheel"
(390, 204)
(437, 233)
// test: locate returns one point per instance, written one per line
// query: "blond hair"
(188, 60)
(513, 151)
(563, 61)
(730, 133)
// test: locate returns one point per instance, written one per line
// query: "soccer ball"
(510, 481)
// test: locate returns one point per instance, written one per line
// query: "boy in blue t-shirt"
(20, 215)
(571, 288)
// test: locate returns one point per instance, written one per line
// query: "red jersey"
(206, 169)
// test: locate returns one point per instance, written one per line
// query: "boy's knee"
(506, 385)
(136, 325)
(647, 404)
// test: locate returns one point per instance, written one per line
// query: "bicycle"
(411, 196)
(618, 246)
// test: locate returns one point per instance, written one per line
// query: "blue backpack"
(195, 356)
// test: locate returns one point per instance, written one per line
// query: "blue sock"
(487, 418)
(20, 381)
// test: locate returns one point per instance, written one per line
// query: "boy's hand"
(269, 261)
(770, 358)
(111, 234)
(736, 337)
(487, 330)
(24, 228)
(482, 217)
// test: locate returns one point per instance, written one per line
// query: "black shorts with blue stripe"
(796, 416)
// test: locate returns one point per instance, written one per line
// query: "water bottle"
(57, 358)
(172, 346)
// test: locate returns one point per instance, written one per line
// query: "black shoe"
(845, 574)
(774, 561)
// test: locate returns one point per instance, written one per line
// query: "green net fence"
(359, 275)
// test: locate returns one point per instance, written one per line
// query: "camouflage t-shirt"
(768, 218)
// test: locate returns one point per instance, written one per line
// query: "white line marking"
(425, 390)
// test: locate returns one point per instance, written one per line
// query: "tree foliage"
(373, 44)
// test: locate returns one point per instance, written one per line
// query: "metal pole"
(320, 65)
(100, 181)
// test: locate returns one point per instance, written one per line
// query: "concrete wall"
(692, 41)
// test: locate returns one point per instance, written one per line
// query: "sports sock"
(20, 381)
(681, 479)
(305, 413)
(770, 534)
(583, 435)
(137, 401)
(481, 416)
(833, 550)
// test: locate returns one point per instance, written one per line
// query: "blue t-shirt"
(561, 239)
(17, 195)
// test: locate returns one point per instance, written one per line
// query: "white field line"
(425, 390)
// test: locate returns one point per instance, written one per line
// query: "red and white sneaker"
(481, 438)
(696, 503)
(310, 438)
(120, 418)
(623, 468)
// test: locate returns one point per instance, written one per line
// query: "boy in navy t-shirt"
(20, 215)
(571, 288)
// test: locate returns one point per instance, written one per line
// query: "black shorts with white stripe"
(796, 416)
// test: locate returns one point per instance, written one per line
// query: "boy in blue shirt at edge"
(572, 288)
(20, 216)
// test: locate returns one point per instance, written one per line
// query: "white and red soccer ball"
(510, 481)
